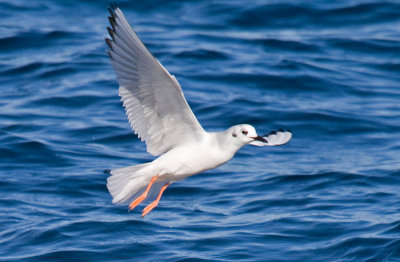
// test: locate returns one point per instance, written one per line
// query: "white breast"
(190, 159)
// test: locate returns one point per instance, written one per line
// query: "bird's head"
(245, 134)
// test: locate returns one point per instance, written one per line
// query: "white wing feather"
(155, 105)
(275, 138)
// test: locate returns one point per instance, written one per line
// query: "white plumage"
(152, 98)
(159, 113)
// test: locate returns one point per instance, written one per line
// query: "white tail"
(125, 183)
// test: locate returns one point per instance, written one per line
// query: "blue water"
(328, 70)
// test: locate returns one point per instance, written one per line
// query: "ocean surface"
(327, 70)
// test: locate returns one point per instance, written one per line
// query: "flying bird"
(160, 115)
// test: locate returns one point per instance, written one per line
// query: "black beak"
(259, 138)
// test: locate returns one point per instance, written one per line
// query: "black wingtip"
(273, 132)
(109, 43)
(112, 16)
(110, 10)
(109, 54)
(112, 7)
(111, 32)
(112, 21)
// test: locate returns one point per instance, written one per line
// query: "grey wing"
(155, 105)
(274, 138)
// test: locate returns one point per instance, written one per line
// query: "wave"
(327, 71)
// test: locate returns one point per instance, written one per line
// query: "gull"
(160, 115)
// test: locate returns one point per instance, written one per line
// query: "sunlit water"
(329, 71)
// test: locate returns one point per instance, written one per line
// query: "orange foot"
(143, 195)
(153, 204)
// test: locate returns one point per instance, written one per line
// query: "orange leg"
(155, 202)
(144, 195)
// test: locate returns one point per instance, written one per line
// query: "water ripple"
(326, 70)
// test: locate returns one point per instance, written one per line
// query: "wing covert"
(274, 138)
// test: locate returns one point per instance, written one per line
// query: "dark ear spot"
(234, 134)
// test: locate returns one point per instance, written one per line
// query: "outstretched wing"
(155, 105)
(274, 138)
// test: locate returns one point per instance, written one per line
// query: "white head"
(244, 134)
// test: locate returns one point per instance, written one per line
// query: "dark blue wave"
(328, 71)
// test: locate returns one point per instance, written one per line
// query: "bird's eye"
(244, 132)
(233, 134)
